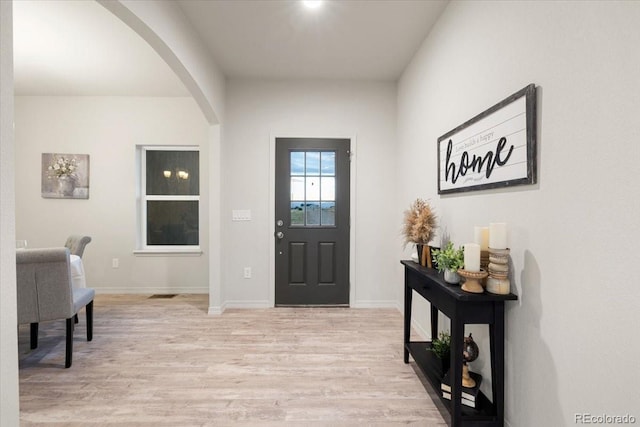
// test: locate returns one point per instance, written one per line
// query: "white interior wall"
(9, 396)
(256, 111)
(569, 345)
(108, 129)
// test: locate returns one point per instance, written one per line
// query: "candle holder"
(484, 260)
(472, 280)
(498, 281)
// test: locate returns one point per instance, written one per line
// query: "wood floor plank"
(165, 362)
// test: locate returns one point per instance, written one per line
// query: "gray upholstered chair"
(45, 293)
(76, 244)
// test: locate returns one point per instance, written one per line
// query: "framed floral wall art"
(65, 176)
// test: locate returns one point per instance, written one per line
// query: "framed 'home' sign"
(497, 148)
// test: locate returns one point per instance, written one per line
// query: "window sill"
(168, 252)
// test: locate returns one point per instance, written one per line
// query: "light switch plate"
(241, 215)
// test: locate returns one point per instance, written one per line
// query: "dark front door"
(312, 221)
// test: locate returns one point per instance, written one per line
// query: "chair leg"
(69, 347)
(34, 335)
(89, 310)
(75, 318)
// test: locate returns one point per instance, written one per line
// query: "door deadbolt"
(280, 223)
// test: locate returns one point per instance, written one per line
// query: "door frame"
(272, 206)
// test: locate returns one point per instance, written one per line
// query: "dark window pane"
(172, 223)
(172, 173)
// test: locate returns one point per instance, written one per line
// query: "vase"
(425, 258)
(451, 276)
(66, 185)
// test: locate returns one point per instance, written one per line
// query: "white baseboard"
(245, 304)
(375, 304)
(150, 290)
(215, 311)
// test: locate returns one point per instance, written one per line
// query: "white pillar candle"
(498, 235)
(481, 237)
(472, 257)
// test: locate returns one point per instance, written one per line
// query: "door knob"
(280, 235)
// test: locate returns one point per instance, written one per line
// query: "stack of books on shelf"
(469, 395)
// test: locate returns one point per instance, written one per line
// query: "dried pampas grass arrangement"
(419, 223)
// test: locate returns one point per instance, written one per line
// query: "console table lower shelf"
(431, 367)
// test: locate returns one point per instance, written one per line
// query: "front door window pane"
(297, 188)
(297, 213)
(328, 189)
(328, 161)
(328, 213)
(313, 188)
(313, 163)
(297, 163)
(313, 213)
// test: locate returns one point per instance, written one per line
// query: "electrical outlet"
(115, 263)
(247, 272)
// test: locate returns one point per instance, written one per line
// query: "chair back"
(44, 286)
(76, 244)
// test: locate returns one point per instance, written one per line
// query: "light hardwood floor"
(165, 362)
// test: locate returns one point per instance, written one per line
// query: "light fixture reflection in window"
(180, 174)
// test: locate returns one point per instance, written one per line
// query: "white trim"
(169, 251)
(155, 198)
(141, 199)
(214, 311)
(170, 147)
(375, 304)
(242, 304)
(272, 206)
(214, 238)
(150, 290)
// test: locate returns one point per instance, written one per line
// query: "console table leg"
(457, 338)
(496, 343)
(408, 295)
(434, 322)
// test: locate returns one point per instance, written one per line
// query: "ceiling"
(80, 48)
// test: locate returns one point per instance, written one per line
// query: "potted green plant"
(419, 227)
(441, 347)
(449, 260)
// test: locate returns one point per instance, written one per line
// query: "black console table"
(462, 308)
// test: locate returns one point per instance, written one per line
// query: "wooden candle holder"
(472, 280)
